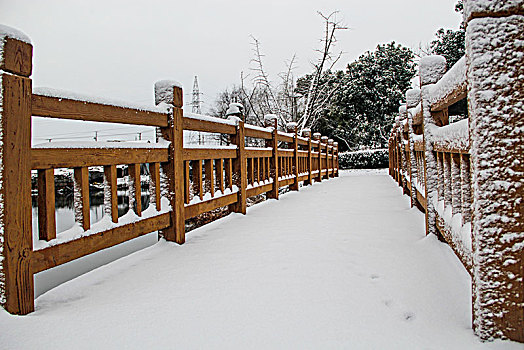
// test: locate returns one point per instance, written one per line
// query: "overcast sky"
(118, 49)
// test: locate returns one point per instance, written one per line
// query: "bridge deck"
(345, 264)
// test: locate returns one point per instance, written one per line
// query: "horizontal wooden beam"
(284, 137)
(257, 133)
(286, 182)
(208, 126)
(47, 258)
(254, 153)
(193, 210)
(63, 108)
(453, 97)
(438, 148)
(254, 191)
(48, 158)
(208, 153)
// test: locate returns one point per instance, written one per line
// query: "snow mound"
(432, 68)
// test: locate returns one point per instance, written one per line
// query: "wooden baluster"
(456, 187)
(210, 179)
(465, 179)
(447, 179)
(135, 189)
(154, 173)
(46, 204)
(197, 178)
(219, 166)
(264, 174)
(81, 197)
(187, 183)
(110, 192)
(229, 173)
(259, 175)
(440, 171)
(250, 171)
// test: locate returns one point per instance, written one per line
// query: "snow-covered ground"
(342, 264)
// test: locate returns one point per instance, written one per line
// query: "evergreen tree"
(450, 43)
(363, 109)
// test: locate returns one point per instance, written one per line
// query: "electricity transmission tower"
(195, 102)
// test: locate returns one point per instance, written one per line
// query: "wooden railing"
(468, 176)
(184, 181)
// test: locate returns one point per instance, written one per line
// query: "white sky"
(118, 49)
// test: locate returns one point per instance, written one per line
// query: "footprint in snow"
(374, 276)
(409, 316)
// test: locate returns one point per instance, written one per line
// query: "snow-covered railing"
(468, 176)
(184, 182)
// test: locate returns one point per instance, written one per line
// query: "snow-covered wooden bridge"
(344, 263)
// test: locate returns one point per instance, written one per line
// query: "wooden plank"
(135, 198)
(257, 173)
(286, 182)
(254, 191)
(257, 133)
(240, 170)
(284, 137)
(46, 158)
(62, 253)
(64, 108)
(81, 197)
(453, 97)
(46, 205)
(255, 153)
(207, 126)
(439, 148)
(209, 176)
(110, 192)
(208, 153)
(219, 166)
(203, 207)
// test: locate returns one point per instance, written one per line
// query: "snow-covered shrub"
(367, 159)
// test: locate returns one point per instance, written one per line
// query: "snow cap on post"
(412, 97)
(168, 91)
(306, 132)
(330, 141)
(234, 118)
(270, 120)
(236, 109)
(335, 144)
(291, 127)
(432, 68)
(16, 51)
(324, 139)
(317, 136)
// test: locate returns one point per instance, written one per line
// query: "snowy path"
(342, 264)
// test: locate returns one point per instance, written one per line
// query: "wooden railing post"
(16, 244)
(240, 170)
(432, 68)
(324, 140)
(331, 158)
(316, 137)
(270, 120)
(494, 36)
(170, 92)
(307, 133)
(335, 144)
(292, 128)
(412, 99)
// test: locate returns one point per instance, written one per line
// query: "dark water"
(64, 213)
